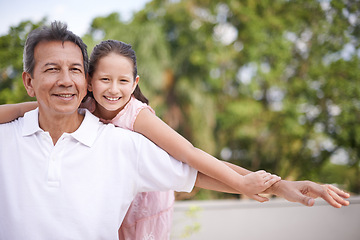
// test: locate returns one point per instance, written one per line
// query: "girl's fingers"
(267, 177)
(270, 177)
(259, 198)
(271, 180)
(262, 172)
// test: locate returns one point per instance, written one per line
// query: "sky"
(78, 14)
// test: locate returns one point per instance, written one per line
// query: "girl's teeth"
(112, 99)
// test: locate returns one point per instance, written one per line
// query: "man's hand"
(305, 192)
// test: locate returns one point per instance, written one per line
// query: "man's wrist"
(275, 188)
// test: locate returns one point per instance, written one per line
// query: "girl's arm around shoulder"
(9, 112)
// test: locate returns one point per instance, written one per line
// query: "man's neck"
(56, 125)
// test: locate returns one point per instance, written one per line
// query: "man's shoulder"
(9, 129)
(110, 129)
(120, 132)
(23, 126)
(9, 124)
(109, 133)
(16, 122)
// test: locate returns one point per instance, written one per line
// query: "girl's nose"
(114, 88)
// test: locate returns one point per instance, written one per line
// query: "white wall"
(276, 219)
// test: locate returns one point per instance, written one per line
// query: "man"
(65, 175)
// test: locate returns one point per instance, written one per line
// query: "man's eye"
(76, 70)
(51, 70)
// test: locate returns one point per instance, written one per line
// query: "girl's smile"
(112, 99)
(112, 84)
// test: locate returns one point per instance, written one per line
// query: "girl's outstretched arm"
(177, 146)
(9, 112)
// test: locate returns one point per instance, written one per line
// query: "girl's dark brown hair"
(113, 46)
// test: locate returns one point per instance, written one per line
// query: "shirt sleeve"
(158, 171)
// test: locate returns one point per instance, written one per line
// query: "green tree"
(11, 50)
(264, 84)
(269, 84)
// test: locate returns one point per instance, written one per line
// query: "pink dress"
(150, 214)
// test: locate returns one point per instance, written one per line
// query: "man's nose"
(65, 79)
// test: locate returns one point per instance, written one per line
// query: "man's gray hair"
(57, 31)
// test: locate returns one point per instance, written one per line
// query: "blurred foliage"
(11, 50)
(268, 85)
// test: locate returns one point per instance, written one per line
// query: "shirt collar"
(31, 123)
(88, 130)
(86, 133)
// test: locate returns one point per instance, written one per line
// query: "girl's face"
(112, 84)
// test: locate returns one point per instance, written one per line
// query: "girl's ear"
(89, 86)
(136, 82)
(137, 79)
(28, 83)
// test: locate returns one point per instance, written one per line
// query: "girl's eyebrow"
(126, 75)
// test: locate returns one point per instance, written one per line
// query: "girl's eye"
(105, 79)
(124, 80)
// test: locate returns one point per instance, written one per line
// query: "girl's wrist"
(241, 184)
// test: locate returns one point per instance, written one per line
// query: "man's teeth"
(65, 95)
(112, 98)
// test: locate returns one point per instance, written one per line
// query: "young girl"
(116, 97)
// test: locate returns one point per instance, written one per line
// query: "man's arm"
(303, 192)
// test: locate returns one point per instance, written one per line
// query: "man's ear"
(27, 80)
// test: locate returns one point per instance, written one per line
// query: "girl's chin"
(112, 109)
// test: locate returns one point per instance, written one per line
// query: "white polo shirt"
(82, 187)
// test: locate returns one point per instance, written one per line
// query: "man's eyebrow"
(50, 64)
(77, 65)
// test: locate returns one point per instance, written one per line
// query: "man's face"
(58, 81)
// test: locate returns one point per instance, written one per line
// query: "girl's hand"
(258, 182)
